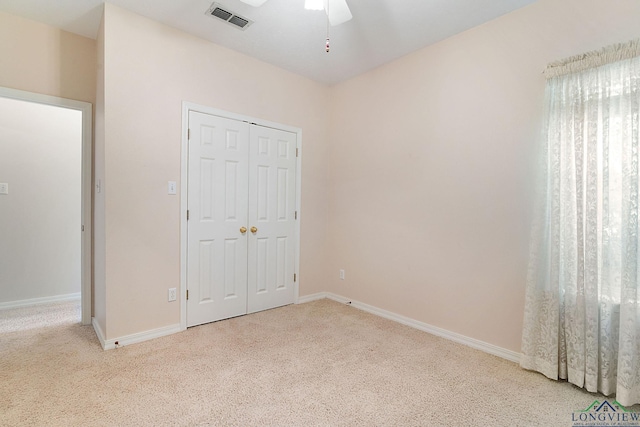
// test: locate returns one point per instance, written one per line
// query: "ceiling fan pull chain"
(327, 47)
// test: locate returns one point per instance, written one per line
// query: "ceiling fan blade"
(338, 11)
(254, 3)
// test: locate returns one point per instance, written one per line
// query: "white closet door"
(272, 185)
(217, 203)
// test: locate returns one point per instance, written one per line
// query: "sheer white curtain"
(582, 310)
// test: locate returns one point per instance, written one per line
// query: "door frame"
(86, 185)
(184, 170)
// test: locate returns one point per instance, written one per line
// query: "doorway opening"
(45, 201)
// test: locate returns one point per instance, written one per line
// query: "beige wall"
(40, 159)
(149, 70)
(38, 58)
(431, 167)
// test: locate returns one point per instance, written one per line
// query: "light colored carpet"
(39, 316)
(314, 364)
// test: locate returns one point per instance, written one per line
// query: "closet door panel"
(217, 202)
(271, 248)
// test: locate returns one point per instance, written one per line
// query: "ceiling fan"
(337, 10)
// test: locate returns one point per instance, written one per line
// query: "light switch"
(4, 188)
(172, 187)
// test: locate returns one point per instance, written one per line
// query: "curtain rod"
(593, 59)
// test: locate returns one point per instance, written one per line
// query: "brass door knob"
(243, 230)
(254, 230)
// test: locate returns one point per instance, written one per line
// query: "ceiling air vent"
(217, 11)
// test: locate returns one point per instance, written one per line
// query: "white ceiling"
(287, 35)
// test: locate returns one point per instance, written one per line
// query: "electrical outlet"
(172, 294)
(341, 274)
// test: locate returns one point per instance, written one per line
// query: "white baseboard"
(133, 338)
(434, 330)
(38, 301)
(312, 297)
(98, 329)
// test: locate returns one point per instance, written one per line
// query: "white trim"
(184, 170)
(186, 108)
(340, 299)
(38, 301)
(98, 330)
(134, 338)
(296, 262)
(87, 138)
(312, 297)
(433, 330)
(87, 211)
